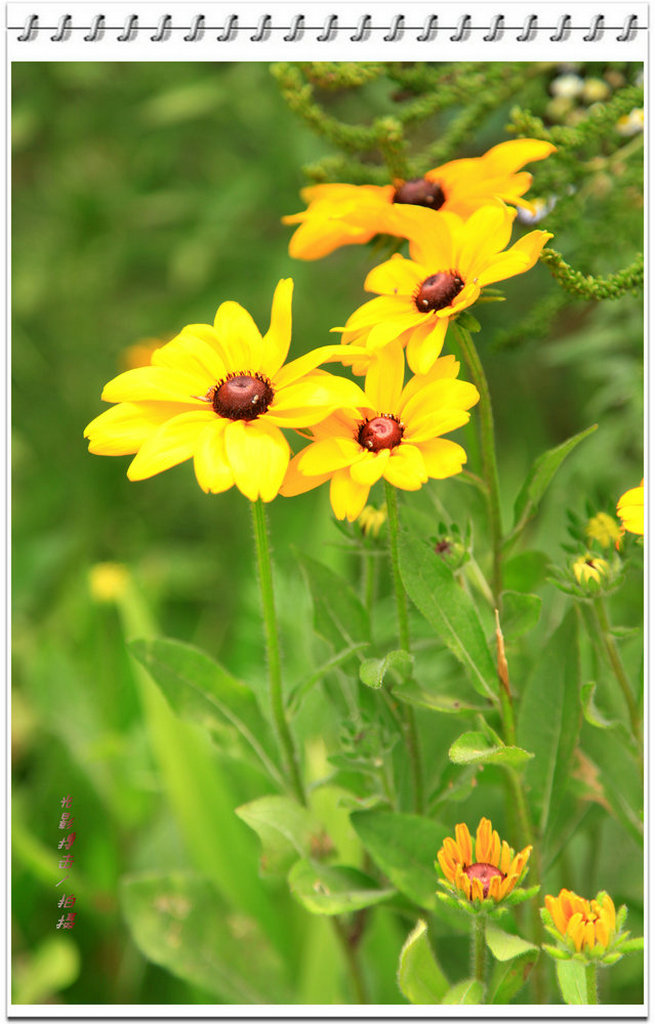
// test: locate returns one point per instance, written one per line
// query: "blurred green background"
(143, 196)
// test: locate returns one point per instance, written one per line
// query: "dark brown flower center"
(438, 291)
(420, 192)
(484, 873)
(242, 396)
(381, 432)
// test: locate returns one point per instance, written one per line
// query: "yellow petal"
(346, 496)
(486, 232)
(368, 470)
(393, 327)
(330, 454)
(157, 383)
(483, 841)
(305, 364)
(508, 157)
(464, 842)
(554, 908)
(430, 234)
(447, 865)
(309, 400)
(122, 429)
(296, 482)
(494, 887)
(239, 340)
(276, 341)
(520, 257)
(397, 276)
(505, 853)
(171, 443)
(191, 354)
(258, 454)
(406, 469)
(425, 344)
(438, 396)
(210, 463)
(384, 379)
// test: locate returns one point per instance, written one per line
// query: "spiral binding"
(294, 32)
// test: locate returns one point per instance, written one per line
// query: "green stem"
(591, 972)
(479, 947)
(352, 960)
(488, 452)
(273, 649)
(603, 629)
(411, 734)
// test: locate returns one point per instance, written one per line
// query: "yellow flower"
(630, 510)
(584, 924)
(220, 395)
(108, 581)
(140, 354)
(452, 260)
(588, 569)
(339, 214)
(395, 434)
(604, 529)
(495, 871)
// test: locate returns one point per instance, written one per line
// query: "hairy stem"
(488, 451)
(273, 650)
(591, 972)
(411, 735)
(607, 643)
(479, 947)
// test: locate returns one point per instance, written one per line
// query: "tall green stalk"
(591, 972)
(603, 635)
(276, 698)
(411, 734)
(488, 451)
(479, 947)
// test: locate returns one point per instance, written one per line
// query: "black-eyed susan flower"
(590, 930)
(491, 871)
(630, 510)
(394, 434)
(452, 260)
(220, 394)
(340, 214)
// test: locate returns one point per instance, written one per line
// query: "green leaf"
(420, 977)
(572, 979)
(470, 991)
(549, 720)
(450, 610)
(475, 748)
(540, 476)
(51, 966)
(596, 717)
(284, 827)
(404, 847)
(299, 693)
(411, 693)
(373, 671)
(200, 689)
(179, 922)
(505, 946)
(339, 615)
(520, 613)
(336, 889)
(632, 946)
(515, 957)
(527, 571)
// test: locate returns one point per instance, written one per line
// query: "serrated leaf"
(284, 828)
(404, 847)
(200, 689)
(549, 720)
(337, 889)
(572, 980)
(373, 670)
(339, 615)
(179, 922)
(475, 748)
(420, 977)
(436, 593)
(469, 992)
(520, 613)
(542, 472)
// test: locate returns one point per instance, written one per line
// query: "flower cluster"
(223, 394)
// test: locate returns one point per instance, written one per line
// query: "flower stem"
(273, 649)
(602, 628)
(591, 972)
(488, 451)
(479, 947)
(411, 734)
(349, 946)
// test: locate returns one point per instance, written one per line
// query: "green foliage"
(476, 748)
(420, 977)
(335, 889)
